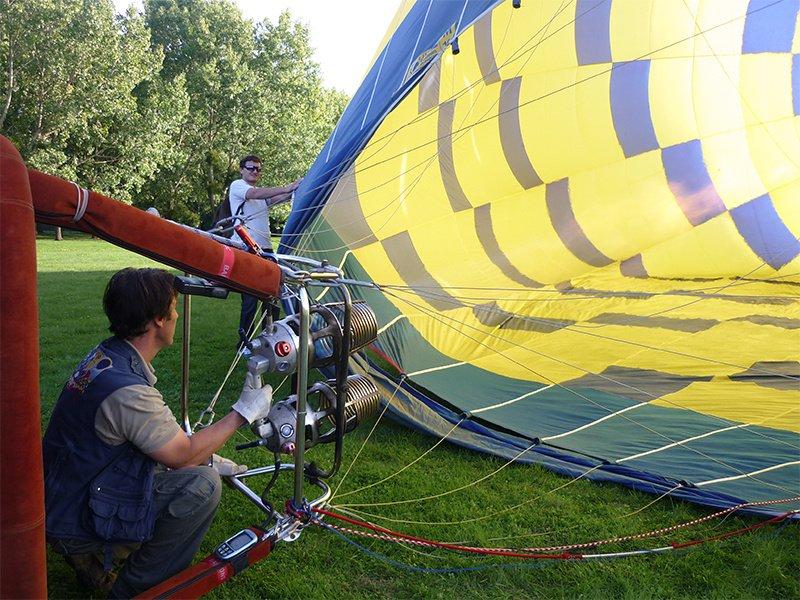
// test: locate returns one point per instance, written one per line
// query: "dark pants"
(186, 500)
(250, 306)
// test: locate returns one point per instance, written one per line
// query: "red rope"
(665, 530)
(388, 359)
(723, 536)
(487, 551)
(397, 536)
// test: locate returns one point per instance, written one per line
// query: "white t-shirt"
(255, 208)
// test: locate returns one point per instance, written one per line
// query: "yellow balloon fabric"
(585, 228)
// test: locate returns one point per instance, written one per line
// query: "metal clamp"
(207, 412)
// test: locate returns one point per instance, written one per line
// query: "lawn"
(549, 509)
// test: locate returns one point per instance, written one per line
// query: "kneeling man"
(119, 470)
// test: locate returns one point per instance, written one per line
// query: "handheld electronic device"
(236, 544)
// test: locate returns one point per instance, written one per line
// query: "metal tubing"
(341, 369)
(302, 389)
(187, 328)
(239, 485)
(247, 492)
(236, 483)
(302, 260)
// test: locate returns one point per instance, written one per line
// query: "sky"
(342, 52)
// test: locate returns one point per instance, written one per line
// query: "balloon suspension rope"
(564, 552)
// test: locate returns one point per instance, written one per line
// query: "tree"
(73, 85)
(252, 89)
(9, 39)
(157, 108)
(299, 112)
(208, 44)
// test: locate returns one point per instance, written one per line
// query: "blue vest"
(93, 490)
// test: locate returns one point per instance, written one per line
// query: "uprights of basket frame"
(318, 336)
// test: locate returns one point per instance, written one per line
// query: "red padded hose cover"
(55, 201)
(22, 556)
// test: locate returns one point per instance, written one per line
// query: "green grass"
(765, 564)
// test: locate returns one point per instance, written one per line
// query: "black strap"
(227, 196)
(239, 563)
(108, 557)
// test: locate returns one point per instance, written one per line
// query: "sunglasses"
(253, 169)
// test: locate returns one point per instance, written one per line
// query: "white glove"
(255, 401)
(226, 467)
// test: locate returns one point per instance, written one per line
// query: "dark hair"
(134, 297)
(250, 158)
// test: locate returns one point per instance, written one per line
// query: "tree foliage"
(157, 108)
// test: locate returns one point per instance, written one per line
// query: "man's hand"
(254, 402)
(226, 467)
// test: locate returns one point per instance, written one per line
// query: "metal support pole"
(302, 387)
(187, 327)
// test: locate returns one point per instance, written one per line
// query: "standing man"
(254, 203)
(110, 438)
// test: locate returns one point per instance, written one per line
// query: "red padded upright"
(23, 571)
